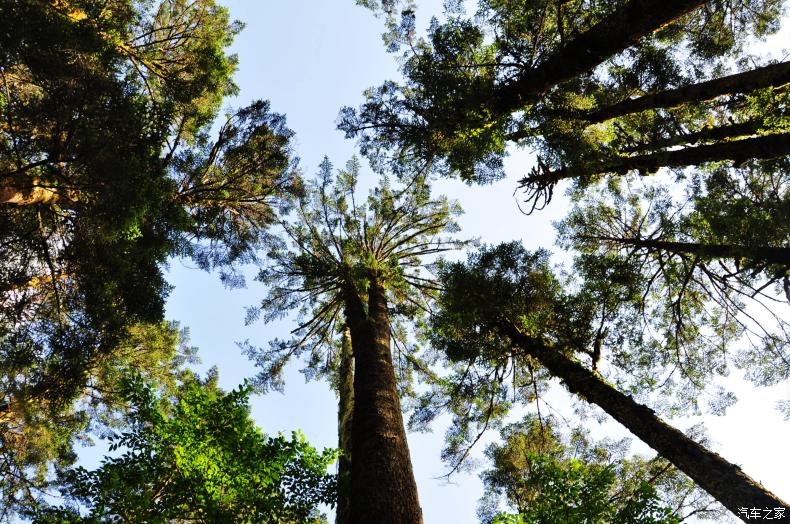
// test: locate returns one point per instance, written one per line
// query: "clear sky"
(309, 58)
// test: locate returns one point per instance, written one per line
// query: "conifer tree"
(355, 266)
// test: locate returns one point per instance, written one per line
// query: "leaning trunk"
(763, 147)
(383, 489)
(760, 254)
(618, 31)
(345, 394)
(769, 76)
(722, 480)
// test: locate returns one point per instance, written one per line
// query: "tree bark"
(706, 134)
(34, 195)
(764, 254)
(763, 147)
(768, 76)
(383, 489)
(722, 480)
(345, 393)
(618, 31)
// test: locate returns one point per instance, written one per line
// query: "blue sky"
(309, 58)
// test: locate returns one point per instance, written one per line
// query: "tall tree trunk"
(345, 394)
(722, 480)
(764, 254)
(618, 31)
(383, 489)
(763, 147)
(706, 134)
(768, 76)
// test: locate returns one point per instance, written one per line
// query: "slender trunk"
(345, 393)
(722, 480)
(763, 147)
(706, 134)
(383, 489)
(618, 31)
(768, 76)
(764, 254)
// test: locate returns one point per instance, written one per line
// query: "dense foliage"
(107, 168)
(195, 454)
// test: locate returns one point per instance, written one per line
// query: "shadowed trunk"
(618, 31)
(763, 254)
(706, 134)
(722, 480)
(383, 489)
(764, 147)
(768, 76)
(345, 394)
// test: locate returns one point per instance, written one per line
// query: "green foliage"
(476, 82)
(197, 455)
(107, 168)
(38, 433)
(545, 476)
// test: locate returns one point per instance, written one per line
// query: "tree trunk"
(706, 134)
(383, 489)
(345, 394)
(34, 195)
(768, 76)
(763, 147)
(764, 254)
(722, 480)
(618, 31)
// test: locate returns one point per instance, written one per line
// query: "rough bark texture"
(768, 146)
(722, 480)
(764, 254)
(383, 490)
(618, 31)
(345, 394)
(768, 76)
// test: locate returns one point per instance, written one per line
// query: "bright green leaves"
(198, 455)
(544, 476)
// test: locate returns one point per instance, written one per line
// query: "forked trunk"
(383, 490)
(345, 394)
(722, 480)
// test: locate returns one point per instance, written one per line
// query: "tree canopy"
(107, 168)
(195, 454)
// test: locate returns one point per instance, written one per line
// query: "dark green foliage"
(535, 69)
(196, 454)
(107, 169)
